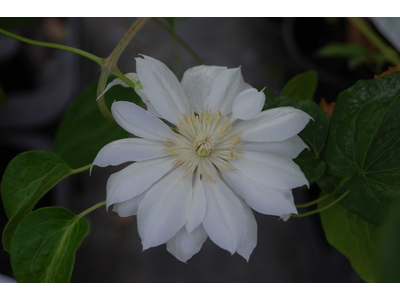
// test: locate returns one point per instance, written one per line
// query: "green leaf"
(363, 144)
(3, 99)
(174, 20)
(44, 245)
(388, 262)
(329, 183)
(302, 86)
(353, 237)
(314, 135)
(84, 131)
(26, 179)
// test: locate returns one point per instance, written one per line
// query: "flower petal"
(226, 87)
(225, 221)
(264, 199)
(246, 248)
(163, 89)
(270, 169)
(184, 244)
(290, 148)
(273, 125)
(131, 76)
(129, 207)
(197, 83)
(248, 104)
(137, 121)
(285, 217)
(198, 207)
(125, 150)
(165, 208)
(135, 179)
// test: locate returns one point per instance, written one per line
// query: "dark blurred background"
(40, 84)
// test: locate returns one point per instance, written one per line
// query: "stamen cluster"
(204, 144)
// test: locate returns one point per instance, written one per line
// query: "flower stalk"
(110, 66)
(318, 210)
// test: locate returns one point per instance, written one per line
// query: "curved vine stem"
(322, 208)
(88, 55)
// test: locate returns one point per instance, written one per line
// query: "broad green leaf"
(26, 179)
(329, 183)
(363, 144)
(84, 131)
(302, 86)
(388, 258)
(44, 245)
(353, 237)
(3, 99)
(314, 135)
(174, 20)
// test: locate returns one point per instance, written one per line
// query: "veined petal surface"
(165, 209)
(290, 148)
(130, 207)
(264, 199)
(184, 244)
(162, 88)
(225, 221)
(226, 87)
(248, 104)
(197, 83)
(126, 150)
(270, 169)
(273, 125)
(198, 206)
(139, 122)
(136, 178)
(246, 248)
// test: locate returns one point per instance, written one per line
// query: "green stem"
(88, 55)
(182, 42)
(389, 53)
(101, 103)
(322, 208)
(90, 209)
(178, 58)
(87, 167)
(110, 66)
(313, 202)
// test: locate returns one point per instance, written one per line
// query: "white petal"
(248, 104)
(246, 248)
(137, 121)
(272, 125)
(163, 89)
(270, 169)
(135, 179)
(285, 217)
(198, 207)
(165, 208)
(184, 244)
(226, 87)
(225, 221)
(264, 199)
(129, 207)
(131, 76)
(289, 148)
(197, 83)
(126, 150)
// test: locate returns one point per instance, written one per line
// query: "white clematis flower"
(202, 177)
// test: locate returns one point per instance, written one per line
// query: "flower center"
(204, 144)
